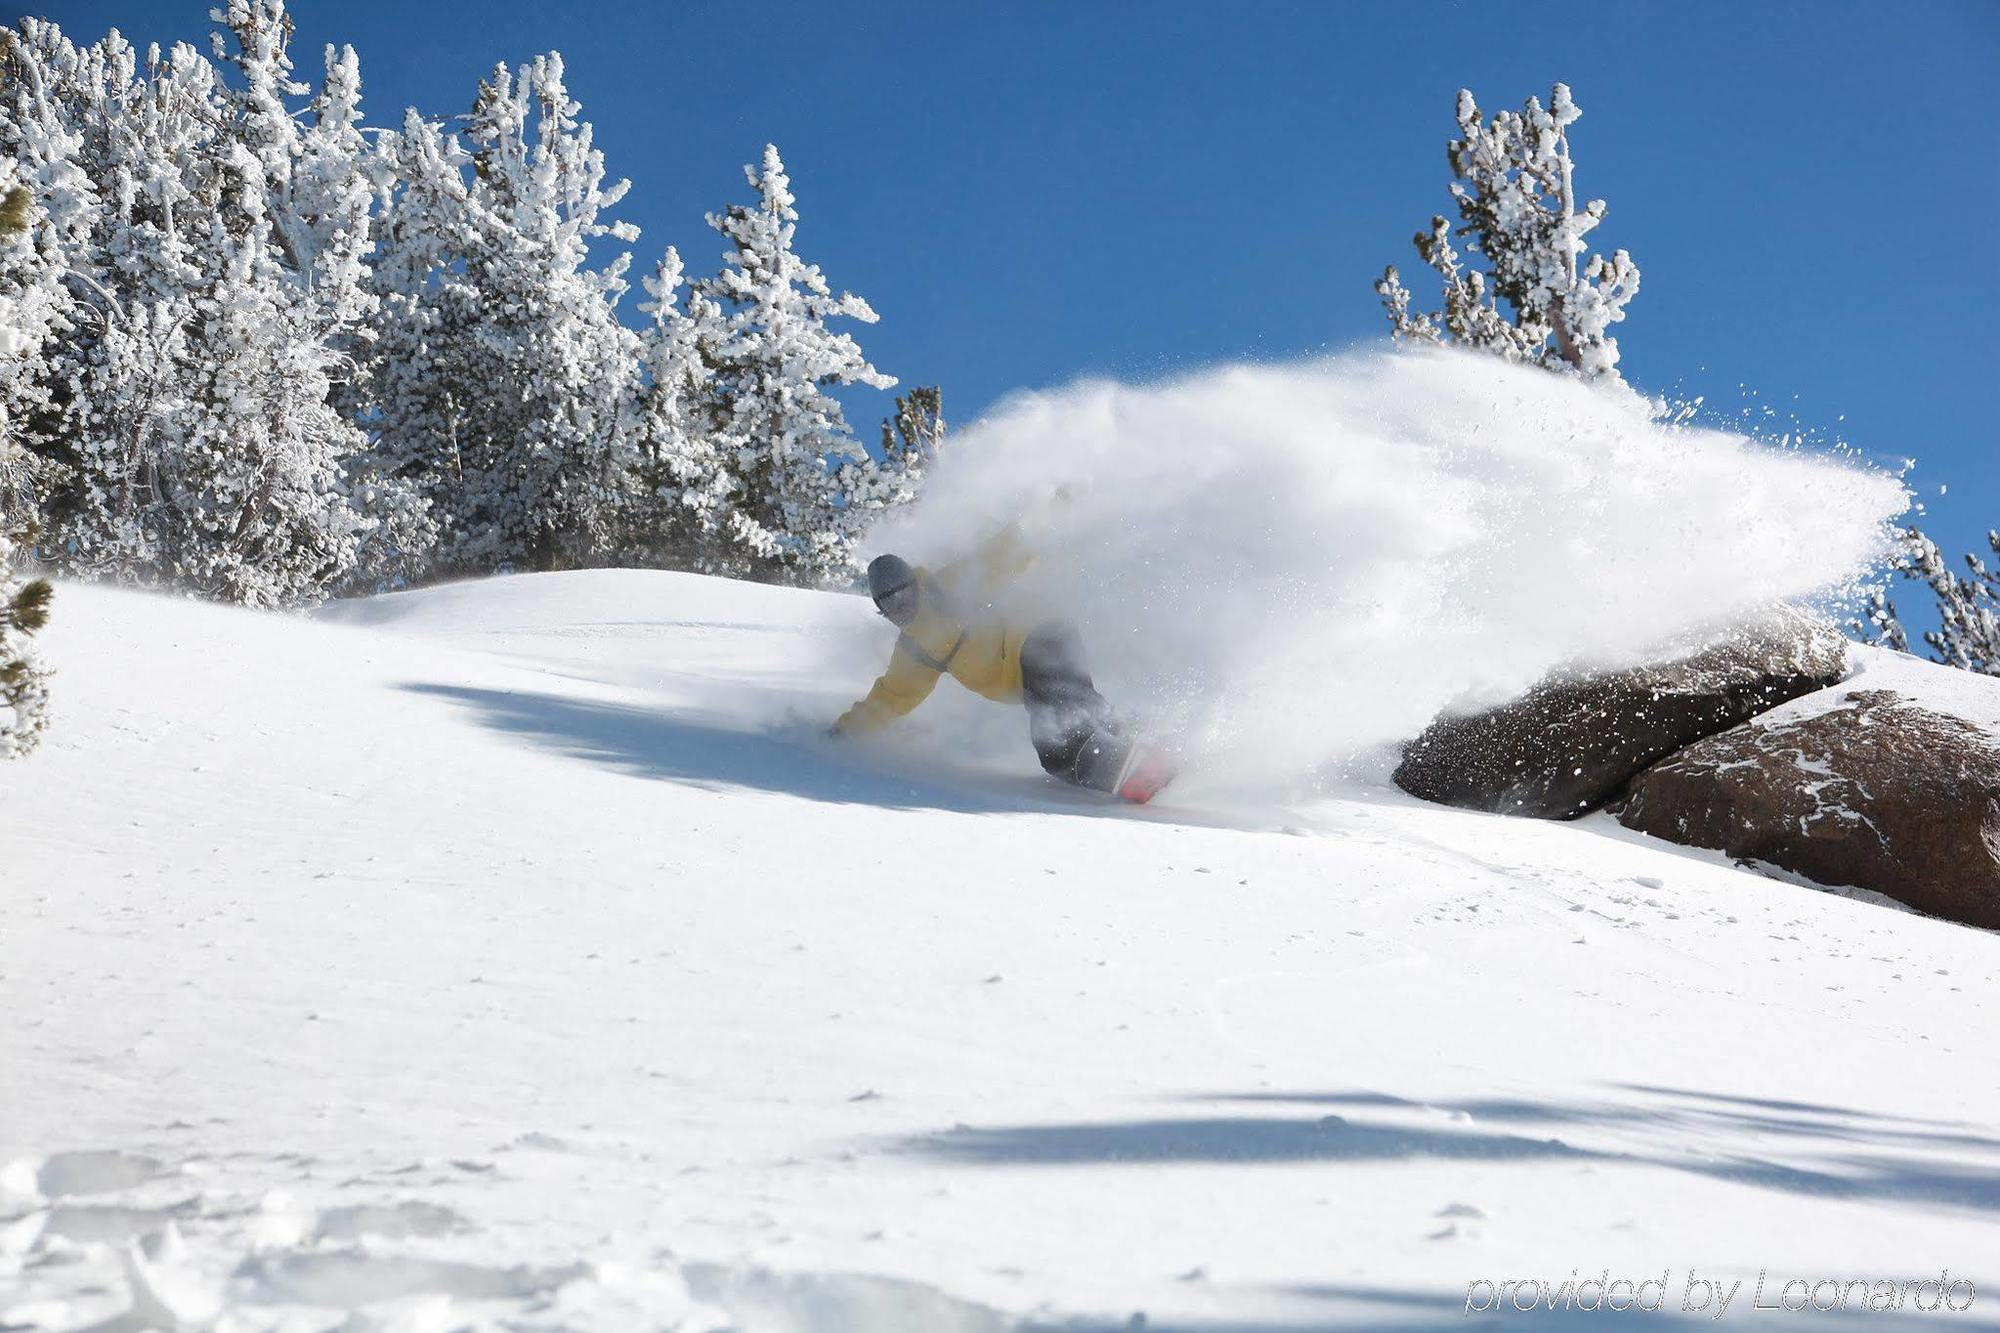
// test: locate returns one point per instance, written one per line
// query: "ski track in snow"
(519, 954)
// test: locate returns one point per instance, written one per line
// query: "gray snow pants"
(1075, 731)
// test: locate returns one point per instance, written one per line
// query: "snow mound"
(1966, 695)
(1295, 563)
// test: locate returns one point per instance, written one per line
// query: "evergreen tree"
(325, 215)
(330, 217)
(187, 434)
(1968, 605)
(1517, 208)
(804, 484)
(43, 282)
(1968, 633)
(910, 442)
(24, 324)
(682, 489)
(426, 319)
(134, 176)
(263, 124)
(507, 366)
(24, 676)
(257, 479)
(257, 473)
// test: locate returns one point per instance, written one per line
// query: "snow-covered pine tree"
(681, 487)
(514, 368)
(256, 478)
(24, 676)
(122, 152)
(326, 213)
(24, 606)
(411, 393)
(328, 218)
(1518, 209)
(910, 442)
(1968, 605)
(41, 139)
(804, 482)
(257, 475)
(263, 124)
(24, 317)
(188, 437)
(1969, 615)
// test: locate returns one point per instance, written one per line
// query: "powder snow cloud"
(1291, 566)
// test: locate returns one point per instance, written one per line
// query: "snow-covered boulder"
(1892, 786)
(1573, 741)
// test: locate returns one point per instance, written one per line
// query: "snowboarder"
(951, 623)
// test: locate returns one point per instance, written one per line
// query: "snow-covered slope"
(522, 951)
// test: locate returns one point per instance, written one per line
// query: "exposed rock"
(1573, 741)
(1880, 793)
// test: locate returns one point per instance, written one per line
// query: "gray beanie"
(886, 573)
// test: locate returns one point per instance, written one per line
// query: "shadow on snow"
(1696, 1133)
(670, 747)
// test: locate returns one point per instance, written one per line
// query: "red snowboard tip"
(1146, 774)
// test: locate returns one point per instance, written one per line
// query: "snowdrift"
(1292, 564)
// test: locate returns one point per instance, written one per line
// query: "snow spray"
(1294, 566)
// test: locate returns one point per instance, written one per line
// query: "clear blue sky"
(1034, 191)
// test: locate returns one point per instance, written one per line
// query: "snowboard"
(1130, 769)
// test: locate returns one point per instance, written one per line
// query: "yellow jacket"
(957, 629)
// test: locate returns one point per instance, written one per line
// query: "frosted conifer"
(188, 435)
(505, 365)
(24, 324)
(1968, 605)
(1518, 212)
(910, 443)
(44, 280)
(804, 482)
(24, 677)
(258, 492)
(124, 151)
(682, 489)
